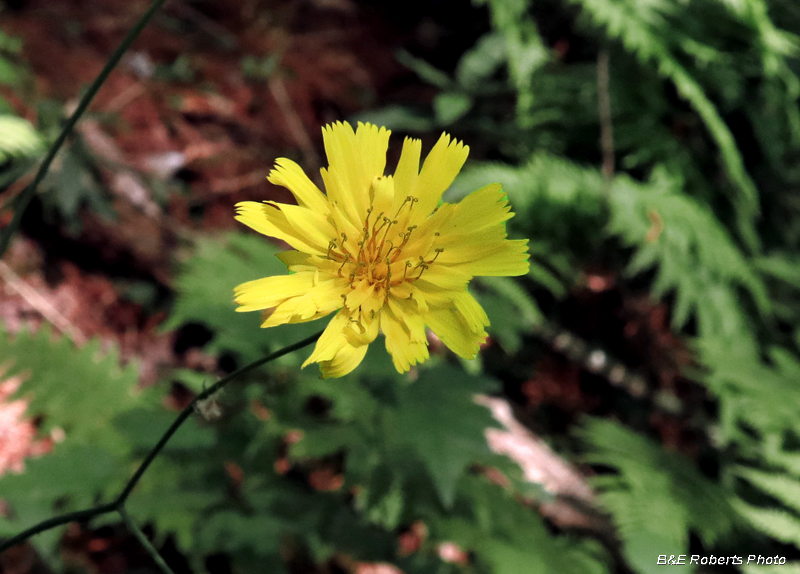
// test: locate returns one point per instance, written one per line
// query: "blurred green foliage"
(705, 123)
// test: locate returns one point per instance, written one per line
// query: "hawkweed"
(382, 250)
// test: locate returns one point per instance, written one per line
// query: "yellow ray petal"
(361, 291)
(405, 311)
(295, 310)
(454, 331)
(507, 258)
(425, 297)
(299, 261)
(314, 227)
(439, 170)
(351, 229)
(480, 209)
(332, 339)
(271, 291)
(382, 192)
(472, 312)
(345, 361)
(291, 176)
(438, 277)
(425, 235)
(468, 239)
(372, 143)
(405, 176)
(405, 351)
(322, 299)
(270, 221)
(354, 159)
(363, 331)
(338, 187)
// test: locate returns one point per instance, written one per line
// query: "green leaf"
(509, 537)
(437, 418)
(70, 478)
(510, 559)
(779, 486)
(230, 531)
(424, 70)
(482, 61)
(351, 400)
(71, 467)
(450, 107)
(9, 73)
(382, 498)
(205, 294)
(323, 441)
(18, 138)
(511, 310)
(73, 183)
(144, 427)
(177, 512)
(525, 51)
(176, 494)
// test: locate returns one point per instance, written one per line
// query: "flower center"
(383, 257)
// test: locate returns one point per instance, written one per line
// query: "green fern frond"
(77, 389)
(778, 524)
(654, 491)
(552, 197)
(779, 486)
(765, 397)
(80, 390)
(775, 44)
(642, 28)
(775, 455)
(508, 538)
(525, 49)
(512, 311)
(692, 251)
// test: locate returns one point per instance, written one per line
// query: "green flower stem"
(27, 194)
(137, 532)
(119, 503)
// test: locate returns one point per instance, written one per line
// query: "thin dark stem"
(185, 413)
(27, 194)
(77, 516)
(119, 502)
(137, 532)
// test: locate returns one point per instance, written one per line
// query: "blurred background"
(640, 388)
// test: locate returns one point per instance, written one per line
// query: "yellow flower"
(382, 250)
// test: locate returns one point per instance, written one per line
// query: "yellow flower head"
(381, 250)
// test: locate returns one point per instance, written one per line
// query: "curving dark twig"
(151, 550)
(118, 504)
(27, 194)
